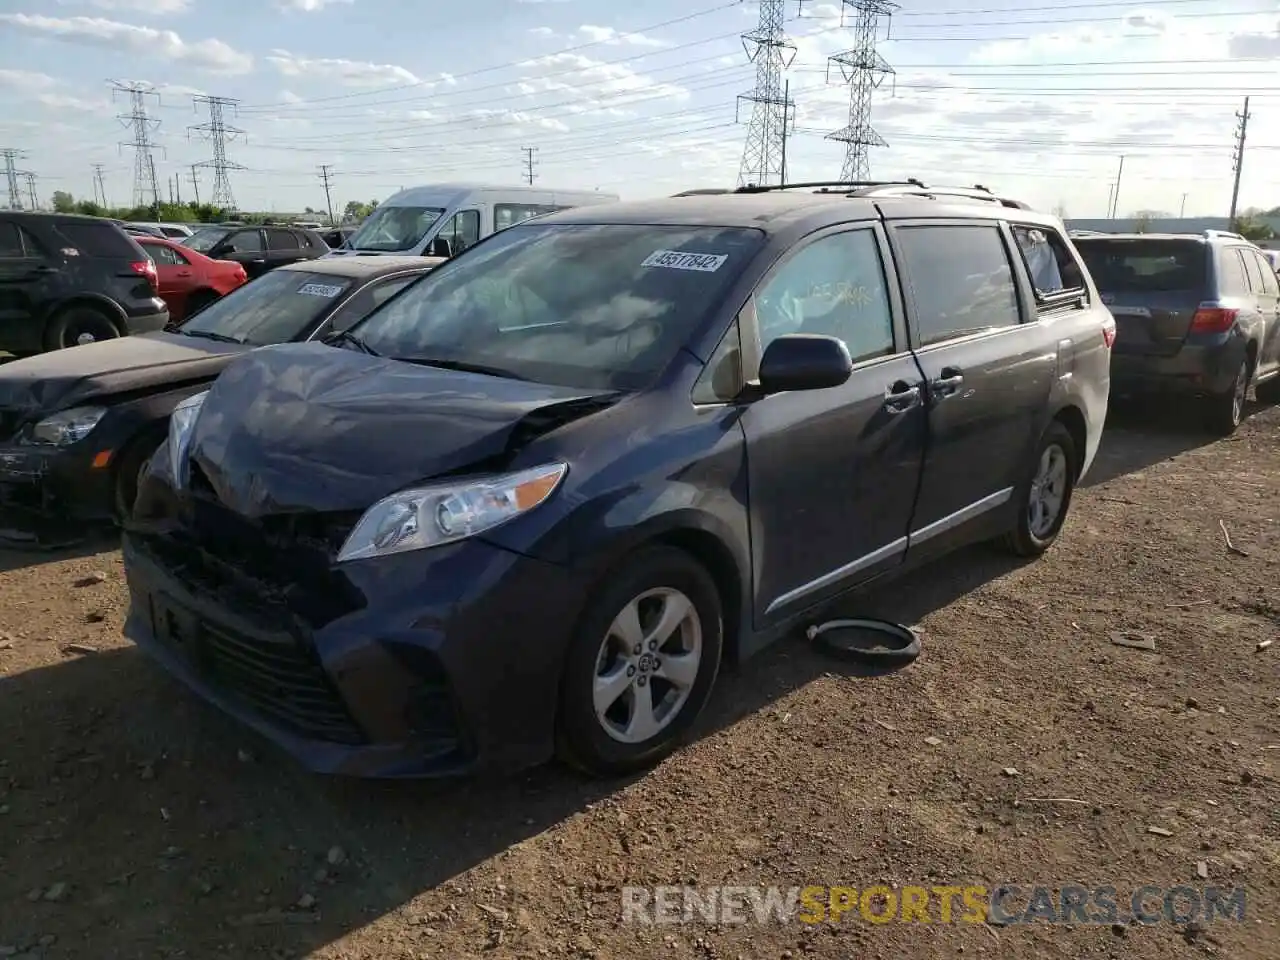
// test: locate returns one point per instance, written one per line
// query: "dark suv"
(1196, 314)
(257, 249)
(542, 490)
(67, 280)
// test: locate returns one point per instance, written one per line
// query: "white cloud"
(542, 32)
(308, 6)
(354, 73)
(599, 86)
(1262, 45)
(62, 101)
(212, 55)
(25, 80)
(611, 37)
(519, 118)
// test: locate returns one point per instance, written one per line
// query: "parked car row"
(652, 435)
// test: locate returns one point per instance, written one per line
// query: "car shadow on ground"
(26, 544)
(159, 798)
(1140, 434)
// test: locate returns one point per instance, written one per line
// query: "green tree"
(63, 202)
(90, 209)
(1254, 229)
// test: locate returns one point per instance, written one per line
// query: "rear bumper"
(1204, 365)
(147, 322)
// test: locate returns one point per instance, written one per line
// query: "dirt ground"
(135, 822)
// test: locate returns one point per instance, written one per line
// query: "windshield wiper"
(464, 367)
(209, 335)
(346, 336)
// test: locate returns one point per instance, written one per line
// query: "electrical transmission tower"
(1237, 159)
(769, 49)
(863, 69)
(31, 189)
(145, 190)
(528, 162)
(99, 188)
(218, 132)
(11, 158)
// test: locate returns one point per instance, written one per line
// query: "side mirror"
(440, 247)
(803, 361)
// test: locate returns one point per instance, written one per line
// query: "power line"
(1237, 159)
(528, 162)
(144, 168)
(11, 158)
(324, 176)
(218, 132)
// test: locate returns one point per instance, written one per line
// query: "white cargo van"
(443, 219)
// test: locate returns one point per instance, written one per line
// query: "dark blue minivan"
(528, 505)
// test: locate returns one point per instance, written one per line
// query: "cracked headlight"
(430, 516)
(67, 426)
(181, 422)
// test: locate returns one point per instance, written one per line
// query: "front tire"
(641, 665)
(128, 471)
(1045, 496)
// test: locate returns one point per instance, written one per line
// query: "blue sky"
(1036, 99)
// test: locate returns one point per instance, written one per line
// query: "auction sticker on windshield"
(677, 260)
(320, 290)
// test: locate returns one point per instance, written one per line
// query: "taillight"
(1213, 320)
(146, 268)
(1109, 332)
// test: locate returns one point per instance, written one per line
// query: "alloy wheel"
(1048, 491)
(647, 665)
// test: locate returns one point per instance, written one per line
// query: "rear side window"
(99, 240)
(1145, 266)
(282, 240)
(1053, 269)
(1251, 269)
(960, 278)
(1232, 279)
(1270, 283)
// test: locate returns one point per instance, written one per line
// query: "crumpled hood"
(308, 427)
(59, 379)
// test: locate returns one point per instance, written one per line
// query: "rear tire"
(1044, 497)
(79, 325)
(626, 703)
(1225, 411)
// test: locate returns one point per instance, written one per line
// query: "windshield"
(277, 307)
(204, 240)
(1146, 266)
(394, 229)
(601, 306)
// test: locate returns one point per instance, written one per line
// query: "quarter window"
(1235, 282)
(1270, 285)
(1050, 264)
(833, 287)
(960, 278)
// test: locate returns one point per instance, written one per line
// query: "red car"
(190, 281)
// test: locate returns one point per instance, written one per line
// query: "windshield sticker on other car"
(320, 290)
(677, 260)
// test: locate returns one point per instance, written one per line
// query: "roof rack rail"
(826, 186)
(976, 192)
(1226, 234)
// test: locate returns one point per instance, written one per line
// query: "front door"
(246, 248)
(832, 473)
(989, 365)
(1265, 287)
(29, 279)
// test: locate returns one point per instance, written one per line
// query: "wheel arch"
(1072, 418)
(93, 301)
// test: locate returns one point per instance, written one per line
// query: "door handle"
(947, 384)
(183, 273)
(257, 261)
(901, 397)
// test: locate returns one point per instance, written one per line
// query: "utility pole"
(99, 187)
(769, 49)
(11, 158)
(1182, 210)
(195, 182)
(1237, 160)
(786, 117)
(863, 69)
(1111, 190)
(219, 133)
(146, 192)
(328, 200)
(1115, 197)
(177, 189)
(528, 162)
(31, 189)
(155, 207)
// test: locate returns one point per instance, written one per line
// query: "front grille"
(272, 673)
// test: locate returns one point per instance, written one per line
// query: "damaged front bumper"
(427, 664)
(72, 483)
